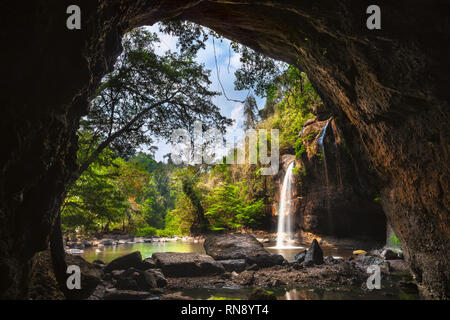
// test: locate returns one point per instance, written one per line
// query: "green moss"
(394, 241)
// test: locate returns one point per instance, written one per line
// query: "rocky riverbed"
(237, 262)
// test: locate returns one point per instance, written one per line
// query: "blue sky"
(230, 109)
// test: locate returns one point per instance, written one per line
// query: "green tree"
(146, 95)
(230, 207)
(250, 112)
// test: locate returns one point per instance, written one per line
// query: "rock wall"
(337, 198)
(389, 85)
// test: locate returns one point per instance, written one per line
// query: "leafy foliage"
(149, 95)
(230, 207)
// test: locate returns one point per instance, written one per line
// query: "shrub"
(145, 231)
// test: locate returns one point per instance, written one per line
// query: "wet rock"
(126, 295)
(125, 262)
(233, 246)
(187, 264)
(261, 294)
(314, 254)
(237, 265)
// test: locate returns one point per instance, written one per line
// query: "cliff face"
(389, 86)
(336, 196)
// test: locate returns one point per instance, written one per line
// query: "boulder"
(174, 264)
(148, 263)
(314, 254)
(161, 281)
(125, 262)
(237, 265)
(91, 276)
(300, 257)
(135, 279)
(265, 260)
(232, 246)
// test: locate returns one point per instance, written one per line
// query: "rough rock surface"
(133, 259)
(237, 265)
(314, 254)
(44, 286)
(337, 197)
(233, 246)
(137, 280)
(91, 276)
(387, 87)
(265, 260)
(174, 264)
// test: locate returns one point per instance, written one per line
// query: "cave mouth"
(355, 70)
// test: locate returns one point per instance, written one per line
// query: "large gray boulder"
(233, 246)
(175, 264)
(240, 246)
(132, 260)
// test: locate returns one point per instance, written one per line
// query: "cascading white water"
(284, 232)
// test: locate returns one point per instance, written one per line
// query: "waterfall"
(284, 232)
(327, 182)
(320, 142)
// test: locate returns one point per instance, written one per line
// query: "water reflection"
(109, 253)
(301, 293)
